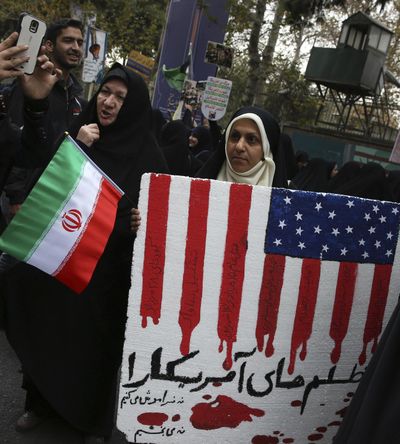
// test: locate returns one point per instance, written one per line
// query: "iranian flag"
(64, 224)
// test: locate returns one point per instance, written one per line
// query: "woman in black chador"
(70, 345)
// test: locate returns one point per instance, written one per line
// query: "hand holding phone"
(11, 58)
(31, 33)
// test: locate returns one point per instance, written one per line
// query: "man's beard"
(63, 64)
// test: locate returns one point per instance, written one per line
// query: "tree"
(130, 24)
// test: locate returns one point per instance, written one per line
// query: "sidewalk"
(53, 431)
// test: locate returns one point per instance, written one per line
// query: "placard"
(215, 98)
(253, 311)
(95, 54)
(219, 54)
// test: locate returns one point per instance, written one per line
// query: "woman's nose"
(240, 144)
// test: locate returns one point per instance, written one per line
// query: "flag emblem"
(72, 220)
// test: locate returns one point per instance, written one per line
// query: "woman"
(174, 144)
(314, 176)
(250, 151)
(370, 182)
(346, 173)
(200, 143)
(70, 345)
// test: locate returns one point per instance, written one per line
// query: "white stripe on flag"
(258, 219)
(52, 250)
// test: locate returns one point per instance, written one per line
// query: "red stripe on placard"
(154, 256)
(376, 308)
(345, 285)
(233, 267)
(192, 286)
(78, 269)
(307, 299)
(269, 301)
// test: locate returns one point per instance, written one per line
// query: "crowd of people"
(70, 347)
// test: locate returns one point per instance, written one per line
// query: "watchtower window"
(378, 39)
(356, 38)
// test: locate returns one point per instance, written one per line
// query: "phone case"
(31, 33)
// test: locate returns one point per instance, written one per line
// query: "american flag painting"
(253, 311)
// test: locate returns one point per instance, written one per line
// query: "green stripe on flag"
(45, 201)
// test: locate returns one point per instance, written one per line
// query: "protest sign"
(215, 98)
(219, 54)
(140, 64)
(253, 311)
(95, 54)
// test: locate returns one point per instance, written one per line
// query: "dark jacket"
(63, 104)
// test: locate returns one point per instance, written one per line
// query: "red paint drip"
(207, 397)
(296, 403)
(334, 423)
(345, 285)
(307, 299)
(376, 309)
(264, 439)
(288, 440)
(276, 432)
(223, 412)
(152, 418)
(315, 437)
(154, 258)
(192, 286)
(233, 268)
(269, 301)
(321, 429)
(217, 384)
(176, 418)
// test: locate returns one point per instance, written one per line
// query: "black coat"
(71, 345)
(373, 414)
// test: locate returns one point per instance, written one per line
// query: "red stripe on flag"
(192, 286)
(307, 299)
(345, 285)
(376, 308)
(233, 268)
(78, 269)
(154, 256)
(269, 301)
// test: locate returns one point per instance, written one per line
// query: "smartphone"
(31, 32)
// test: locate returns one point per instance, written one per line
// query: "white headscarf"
(263, 172)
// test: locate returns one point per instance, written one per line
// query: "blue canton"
(332, 227)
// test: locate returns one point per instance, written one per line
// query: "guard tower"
(351, 79)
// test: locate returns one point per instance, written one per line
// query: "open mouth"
(104, 114)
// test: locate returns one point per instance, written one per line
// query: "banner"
(254, 311)
(188, 26)
(95, 55)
